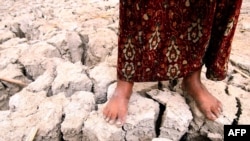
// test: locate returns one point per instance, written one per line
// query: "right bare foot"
(117, 107)
(209, 105)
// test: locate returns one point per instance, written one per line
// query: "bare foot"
(209, 105)
(117, 107)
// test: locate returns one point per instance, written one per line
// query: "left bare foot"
(116, 109)
(209, 105)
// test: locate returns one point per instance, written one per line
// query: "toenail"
(107, 119)
(220, 110)
(119, 123)
(112, 121)
(213, 117)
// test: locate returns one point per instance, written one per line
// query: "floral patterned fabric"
(167, 39)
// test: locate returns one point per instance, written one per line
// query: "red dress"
(167, 39)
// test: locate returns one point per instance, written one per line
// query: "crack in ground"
(50, 92)
(15, 28)
(58, 49)
(85, 47)
(125, 139)
(60, 130)
(158, 122)
(242, 86)
(4, 85)
(226, 90)
(159, 119)
(238, 113)
(25, 72)
(238, 102)
(240, 69)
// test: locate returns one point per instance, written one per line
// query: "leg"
(116, 109)
(206, 102)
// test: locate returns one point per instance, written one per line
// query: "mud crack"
(61, 133)
(158, 122)
(238, 113)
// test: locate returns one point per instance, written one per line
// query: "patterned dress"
(167, 39)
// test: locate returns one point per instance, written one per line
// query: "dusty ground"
(241, 42)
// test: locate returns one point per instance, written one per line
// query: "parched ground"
(240, 48)
(58, 69)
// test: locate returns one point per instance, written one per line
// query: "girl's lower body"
(167, 39)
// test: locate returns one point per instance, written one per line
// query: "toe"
(121, 120)
(111, 121)
(209, 115)
(216, 111)
(113, 118)
(119, 123)
(122, 116)
(220, 107)
(105, 112)
(107, 119)
(107, 116)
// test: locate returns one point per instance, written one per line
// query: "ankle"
(124, 89)
(193, 77)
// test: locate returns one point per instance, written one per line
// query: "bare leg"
(117, 107)
(206, 102)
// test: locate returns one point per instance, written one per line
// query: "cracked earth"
(58, 69)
